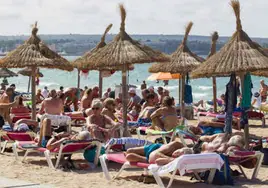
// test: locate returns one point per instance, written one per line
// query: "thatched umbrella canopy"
(123, 51)
(182, 61)
(34, 53)
(84, 63)
(239, 55)
(263, 73)
(5, 73)
(28, 72)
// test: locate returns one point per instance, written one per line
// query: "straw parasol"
(83, 63)
(28, 72)
(182, 61)
(5, 73)
(123, 51)
(239, 55)
(263, 73)
(34, 53)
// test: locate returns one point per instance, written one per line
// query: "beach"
(36, 170)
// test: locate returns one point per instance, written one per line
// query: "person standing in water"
(143, 85)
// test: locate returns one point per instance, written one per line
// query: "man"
(144, 94)
(15, 93)
(45, 92)
(95, 92)
(263, 91)
(86, 101)
(143, 85)
(52, 105)
(106, 94)
(61, 90)
(134, 99)
(3, 87)
(71, 97)
(156, 99)
(6, 96)
(160, 92)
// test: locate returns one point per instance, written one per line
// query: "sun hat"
(132, 90)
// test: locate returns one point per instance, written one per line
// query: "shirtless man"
(86, 100)
(52, 105)
(263, 91)
(72, 95)
(5, 97)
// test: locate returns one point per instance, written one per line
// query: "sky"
(143, 16)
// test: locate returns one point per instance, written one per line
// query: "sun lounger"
(76, 120)
(192, 163)
(58, 120)
(67, 147)
(239, 157)
(19, 113)
(252, 115)
(119, 157)
(11, 137)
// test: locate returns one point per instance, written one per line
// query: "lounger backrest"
(20, 110)
(16, 136)
(72, 147)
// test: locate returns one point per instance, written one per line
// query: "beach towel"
(188, 96)
(246, 100)
(57, 120)
(230, 102)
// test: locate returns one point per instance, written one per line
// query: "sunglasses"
(95, 108)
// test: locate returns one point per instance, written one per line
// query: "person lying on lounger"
(163, 154)
(50, 141)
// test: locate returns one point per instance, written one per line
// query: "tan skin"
(71, 98)
(52, 105)
(263, 90)
(39, 97)
(169, 122)
(5, 109)
(97, 124)
(86, 101)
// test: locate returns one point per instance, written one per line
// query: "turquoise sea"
(53, 79)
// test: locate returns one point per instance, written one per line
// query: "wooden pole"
(33, 93)
(214, 93)
(124, 94)
(100, 84)
(179, 90)
(78, 78)
(29, 83)
(182, 94)
(246, 128)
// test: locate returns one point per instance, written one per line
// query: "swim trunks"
(148, 149)
(44, 141)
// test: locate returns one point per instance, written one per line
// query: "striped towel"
(57, 120)
(127, 140)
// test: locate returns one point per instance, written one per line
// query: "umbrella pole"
(124, 94)
(214, 93)
(179, 90)
(182, 94)
(33, 94)
(100, 84)
(246, 128)
(78, 79)
(29, 83)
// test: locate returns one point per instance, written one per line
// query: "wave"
(204, 88)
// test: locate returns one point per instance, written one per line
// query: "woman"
(165, 118)
(149, 101)
(39, 96)
(109, 109)
(101, 126)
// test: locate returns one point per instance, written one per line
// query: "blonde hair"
(87, 92)
(107, 102)
(96, 103)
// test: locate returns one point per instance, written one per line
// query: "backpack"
(223, 176)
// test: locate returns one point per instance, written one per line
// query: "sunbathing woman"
(101, 126)
(5, 109)
(165, 118)
(39, 96)
(86, 101)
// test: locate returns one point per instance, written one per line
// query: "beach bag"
(223, 176)
(188, 96)
(89, 154)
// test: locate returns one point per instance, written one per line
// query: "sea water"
(54, 78)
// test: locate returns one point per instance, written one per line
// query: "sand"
(35, 170)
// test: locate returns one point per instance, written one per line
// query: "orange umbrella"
(163, 76)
